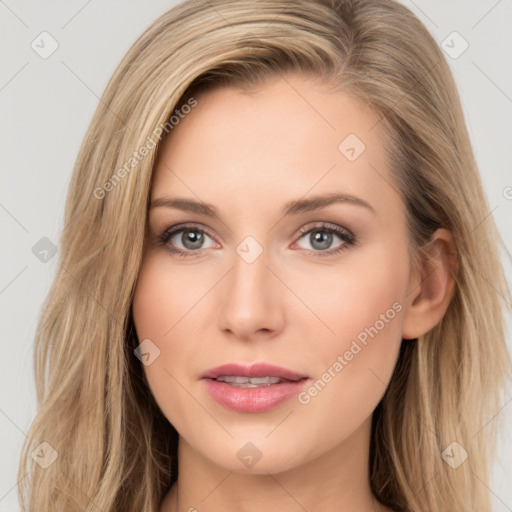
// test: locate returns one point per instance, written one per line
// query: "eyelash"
(345, 235)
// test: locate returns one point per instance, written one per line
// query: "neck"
(335, 481)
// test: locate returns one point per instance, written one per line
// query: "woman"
(275, 289)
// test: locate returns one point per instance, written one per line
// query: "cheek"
(353, 368)
(352, 296)
(161, 301)
(163, 296)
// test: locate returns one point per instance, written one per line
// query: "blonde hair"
(116, 451)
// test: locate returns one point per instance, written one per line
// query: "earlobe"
(431, 286)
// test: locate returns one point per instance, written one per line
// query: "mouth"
(250, 382)
(253, 372)
(255, 388)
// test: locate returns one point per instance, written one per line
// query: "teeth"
(249, 382)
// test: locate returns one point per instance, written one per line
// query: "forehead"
(285, 138)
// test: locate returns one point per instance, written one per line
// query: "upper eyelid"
(327, 226)
(178, 227)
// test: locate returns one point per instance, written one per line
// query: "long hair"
(113, 448)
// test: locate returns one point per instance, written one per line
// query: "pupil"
(321, 238)
(192, 239)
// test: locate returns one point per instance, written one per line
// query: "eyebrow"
(294, 207)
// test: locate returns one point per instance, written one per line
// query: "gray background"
(47, 105)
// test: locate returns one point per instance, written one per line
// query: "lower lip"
(258, 399)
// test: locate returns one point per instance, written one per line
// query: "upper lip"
(255, 370)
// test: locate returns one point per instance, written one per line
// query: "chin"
(258, 456)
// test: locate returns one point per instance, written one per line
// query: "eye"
(186, 240)
(321, 238)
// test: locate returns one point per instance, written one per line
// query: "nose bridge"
(249, 277)
(250, 304)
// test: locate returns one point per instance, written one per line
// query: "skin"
(249, 154)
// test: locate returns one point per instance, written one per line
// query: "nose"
(251, 306)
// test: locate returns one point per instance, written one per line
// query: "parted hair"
(116, 452)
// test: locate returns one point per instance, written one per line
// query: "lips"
(256, 370)
(255, 388)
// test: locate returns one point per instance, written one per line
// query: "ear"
(430, 286)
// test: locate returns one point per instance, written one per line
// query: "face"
(299, 261)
